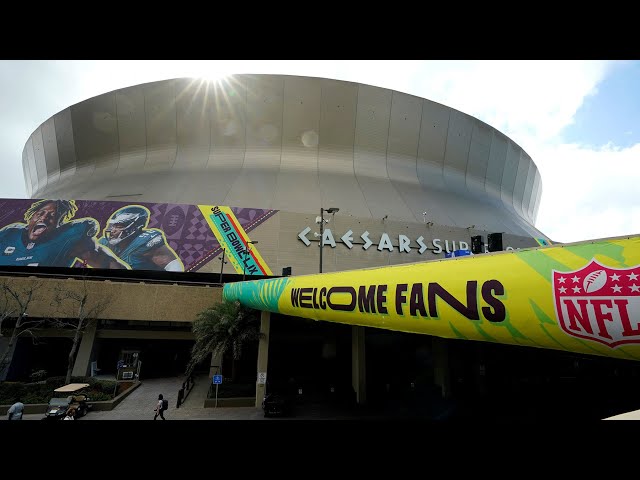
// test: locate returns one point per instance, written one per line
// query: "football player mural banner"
(582, 297)
(119, 235)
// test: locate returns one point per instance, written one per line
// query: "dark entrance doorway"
(310, 358)
(158, 358)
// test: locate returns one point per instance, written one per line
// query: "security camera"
(424, 213)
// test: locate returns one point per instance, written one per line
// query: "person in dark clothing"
(159, 408)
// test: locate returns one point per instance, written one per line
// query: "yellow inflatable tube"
(582, 297)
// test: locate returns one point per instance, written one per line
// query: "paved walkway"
(139, 405)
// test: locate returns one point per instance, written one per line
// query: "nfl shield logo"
(599, 303)
(30, 245)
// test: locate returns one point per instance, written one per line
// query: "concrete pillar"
(216, 366)
(441, 375)
(83, 358)
(358, 367)
(263, 356)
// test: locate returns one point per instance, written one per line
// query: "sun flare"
(213, 76)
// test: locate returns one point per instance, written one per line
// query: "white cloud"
(531, 98)
(589, 193)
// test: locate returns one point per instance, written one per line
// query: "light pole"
(222, 262)
(322, 210)
(244, 263)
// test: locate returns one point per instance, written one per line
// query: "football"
(594, 281)
(173, 221)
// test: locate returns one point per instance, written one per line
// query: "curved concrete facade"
(293, 144)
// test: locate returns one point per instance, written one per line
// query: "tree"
(224, 327)
(14, 303)
(81, 304)
(8, 307)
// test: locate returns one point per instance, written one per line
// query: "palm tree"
(224, 327)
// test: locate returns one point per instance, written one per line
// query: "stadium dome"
(390, 161)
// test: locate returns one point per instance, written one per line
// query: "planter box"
(97, 406)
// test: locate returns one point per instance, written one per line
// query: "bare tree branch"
(16, 303)
(7, 307)
(82, 304)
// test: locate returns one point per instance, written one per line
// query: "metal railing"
(184, 391)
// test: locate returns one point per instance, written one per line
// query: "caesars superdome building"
(213, 182)
(411, 178)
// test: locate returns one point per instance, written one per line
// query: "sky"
(578, 120)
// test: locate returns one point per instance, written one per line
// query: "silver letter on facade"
(303, 236)
(367, 242)
(347, 239)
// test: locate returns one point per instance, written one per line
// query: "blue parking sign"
(217, 379)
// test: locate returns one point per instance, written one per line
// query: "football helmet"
(125, 222)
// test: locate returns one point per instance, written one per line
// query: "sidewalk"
(139, 405)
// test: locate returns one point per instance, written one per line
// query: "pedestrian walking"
(15, 411)
(161, 406)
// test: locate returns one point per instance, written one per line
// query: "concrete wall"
(126, 301)
(280, 246)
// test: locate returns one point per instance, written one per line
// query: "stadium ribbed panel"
(288, 143)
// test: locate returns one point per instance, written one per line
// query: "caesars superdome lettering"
(385, 243)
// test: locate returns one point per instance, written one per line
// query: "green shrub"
(33, 397)
(104, 386)
(55, 382)
(95, 396)
(11, 391)
(43, 392)
(28, 393)
(38, 375)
